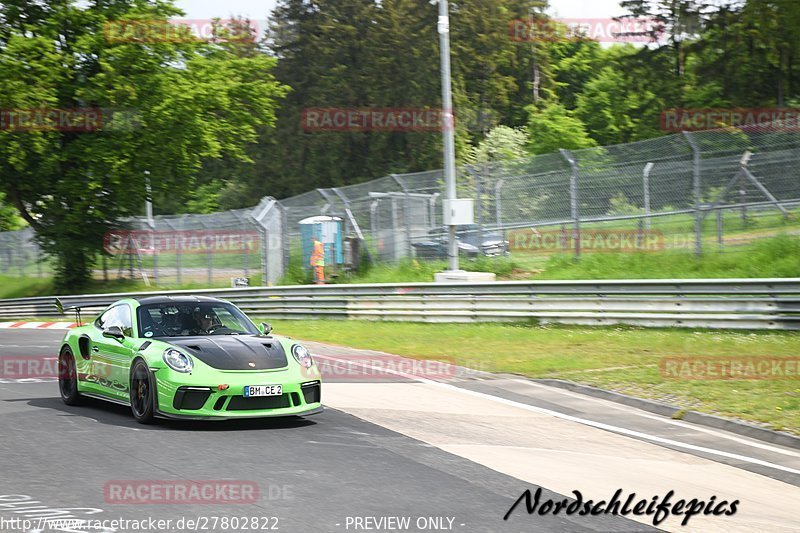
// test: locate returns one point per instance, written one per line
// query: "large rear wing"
(77, 308)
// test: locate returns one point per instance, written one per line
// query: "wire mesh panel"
(20, 255)
(212, 249)
(712, 190)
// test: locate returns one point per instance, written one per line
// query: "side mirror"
(265, 328)
(113, 332)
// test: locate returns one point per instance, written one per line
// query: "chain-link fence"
(20, 256)
(712, 190)
(215, 249)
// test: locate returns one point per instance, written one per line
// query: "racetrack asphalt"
(450, 452)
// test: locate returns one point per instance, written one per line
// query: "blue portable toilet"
(328, 230)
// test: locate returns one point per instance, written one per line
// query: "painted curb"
(38, 325)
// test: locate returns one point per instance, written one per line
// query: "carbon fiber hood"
(234, 352)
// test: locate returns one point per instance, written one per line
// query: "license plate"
(254, 391)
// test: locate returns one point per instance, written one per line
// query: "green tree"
(747, 57)
(9, 217)
(575, 63)
(323, 51)
(168, 107)
(680, 21)
(623, 102)
(365, 53)
(501, 144)
(554, 128)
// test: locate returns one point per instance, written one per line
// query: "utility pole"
(448, 126)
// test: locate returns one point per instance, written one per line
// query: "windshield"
(193, 319)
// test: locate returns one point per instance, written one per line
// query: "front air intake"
(312, 392)
(191, 398)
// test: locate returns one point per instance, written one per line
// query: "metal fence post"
(406, 212)
(646, 186)
(285, 244)
(22, 257)
(498, 206)
(152, 224)
(373, 220)
(351, 217)
(264, 219)
(179, 250)
(574, 200)
(209, 258)
(265, 258)
(743, 201)
(639, 234)
(472, 171)
(697, 193)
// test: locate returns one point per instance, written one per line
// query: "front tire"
(142, 393)
(68, 378)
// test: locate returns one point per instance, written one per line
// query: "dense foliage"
(217, 124)
(166, 108)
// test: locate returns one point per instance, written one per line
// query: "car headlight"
(177, 360)
(465, 247)
(302, 356)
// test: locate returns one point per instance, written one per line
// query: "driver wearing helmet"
(204, 322)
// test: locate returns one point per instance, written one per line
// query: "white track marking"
(679, 423)
(585, 422)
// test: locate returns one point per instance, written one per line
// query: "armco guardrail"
(705, 303)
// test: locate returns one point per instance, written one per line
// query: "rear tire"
(142, 393)
(68, 378)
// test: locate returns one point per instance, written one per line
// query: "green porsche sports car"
(187, 357)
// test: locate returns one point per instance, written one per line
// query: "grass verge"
(622, 359)
(774, 257)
